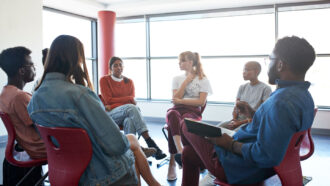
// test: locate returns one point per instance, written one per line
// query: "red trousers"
(174, 120)
(197, 153)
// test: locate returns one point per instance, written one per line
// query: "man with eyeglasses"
(17, 64)
(250, 155)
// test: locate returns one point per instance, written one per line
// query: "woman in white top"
(189, 96)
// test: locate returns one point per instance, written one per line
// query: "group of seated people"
(64, 97)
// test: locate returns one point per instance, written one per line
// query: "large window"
(226, 41)
(130, 45)
(235, 35)
(57, 23)
(302, 22)
(214, 38)
(130, 39)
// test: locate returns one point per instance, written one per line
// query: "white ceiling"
(125, 8)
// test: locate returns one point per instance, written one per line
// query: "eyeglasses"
(29, 65)
(268, 60)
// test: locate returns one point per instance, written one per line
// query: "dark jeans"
(12, 174)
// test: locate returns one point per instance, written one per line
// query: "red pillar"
(106, 22)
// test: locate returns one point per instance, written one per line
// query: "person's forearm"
(236, 147)
(193, 102)
(180, 92)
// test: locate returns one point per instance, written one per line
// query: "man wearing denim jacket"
(249, 157)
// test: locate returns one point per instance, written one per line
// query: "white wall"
(21, 25)
(220, 113)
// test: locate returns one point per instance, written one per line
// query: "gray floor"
(316, 166)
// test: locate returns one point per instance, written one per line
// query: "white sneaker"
(208, 180)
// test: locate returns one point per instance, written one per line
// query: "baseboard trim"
(154, 119)
(318, 131)
(161, 120)
(3, 141)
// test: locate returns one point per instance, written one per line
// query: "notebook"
(205, 129)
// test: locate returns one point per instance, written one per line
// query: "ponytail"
(198, 65)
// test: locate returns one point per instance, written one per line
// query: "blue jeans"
(130, 117)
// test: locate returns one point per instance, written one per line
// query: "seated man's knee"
(189, 156)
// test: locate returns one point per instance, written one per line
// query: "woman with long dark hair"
(64, 98)
(118, 94)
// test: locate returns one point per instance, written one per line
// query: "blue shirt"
(59, 103)
(288, 110)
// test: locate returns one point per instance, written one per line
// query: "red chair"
(289, 170)
(307, 145)
(11, 153)
(69, 157)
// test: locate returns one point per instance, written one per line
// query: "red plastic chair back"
(68, 159)
(203, 107)
(307, 145)
(10, 148)
(289, 170)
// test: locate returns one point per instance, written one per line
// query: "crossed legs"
(174, 122)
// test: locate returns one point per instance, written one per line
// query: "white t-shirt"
(194, 87)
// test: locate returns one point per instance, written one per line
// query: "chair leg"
(41, 179)
(25, 176)
(163, 130)
(163, 162)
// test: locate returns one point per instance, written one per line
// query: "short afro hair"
(296, 52)
(12, 59)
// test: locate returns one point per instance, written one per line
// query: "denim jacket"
(59, 103)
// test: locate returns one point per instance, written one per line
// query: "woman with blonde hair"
(190, 91)
(64, 98)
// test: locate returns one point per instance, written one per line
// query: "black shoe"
(178, 159)
(149, 151)
(159, 154)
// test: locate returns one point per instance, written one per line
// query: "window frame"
(94, 41)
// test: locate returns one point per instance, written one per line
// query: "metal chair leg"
(41, 179)
(25, 176)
